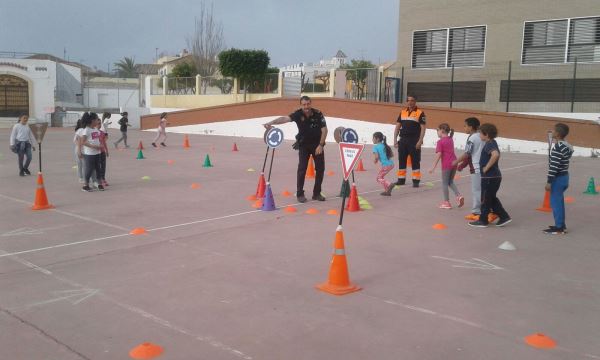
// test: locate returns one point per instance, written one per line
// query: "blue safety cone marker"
(268, 202)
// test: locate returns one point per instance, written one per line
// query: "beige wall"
(201, 101)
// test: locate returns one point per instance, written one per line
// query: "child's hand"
(548, 187)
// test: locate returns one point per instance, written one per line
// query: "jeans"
(557, 199)
(489, 201)
(304, 153)
(448, 182)
(123, 138)
(24, 152)
(92, 164)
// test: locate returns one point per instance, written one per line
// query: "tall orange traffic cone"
(408, 162)
(353, 204)
(339, 278)
(310, 171)
(41, 200)
(235, 148)
(260, 188)
(140, 146)
(360, 166)
(546, 204)
(186, 142)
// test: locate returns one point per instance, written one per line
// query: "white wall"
(114, 98)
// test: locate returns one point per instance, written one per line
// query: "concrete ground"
(216, 279)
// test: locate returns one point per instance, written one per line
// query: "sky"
(99, 33)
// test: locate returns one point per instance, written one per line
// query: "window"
(446, 47)
(560, 41)
(551, 90)
(462, 91)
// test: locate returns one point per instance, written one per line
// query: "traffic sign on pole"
(350, 153)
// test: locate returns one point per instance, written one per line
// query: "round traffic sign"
(349, 136)
(273, 137)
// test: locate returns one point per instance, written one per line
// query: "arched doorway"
(14, 96)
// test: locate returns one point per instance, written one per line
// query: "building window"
(443, 48)
(560, 41)
(551, 90)
(459, 91)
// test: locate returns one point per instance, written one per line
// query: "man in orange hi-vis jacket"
(410, 126)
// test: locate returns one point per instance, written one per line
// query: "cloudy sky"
(100, 32)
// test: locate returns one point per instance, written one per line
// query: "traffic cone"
(310, 171)
(546, 204)
(540, 341)
(41, 200)
(145, 351)
(207, 162)
(339, 278)
(186, 142)
(408, 162)
(268, 202)
(345, 190)
(360, 166)
(140, 146)
(260, 188)
(353, 205)
(140, 155)
(235, 148)
(591, 189)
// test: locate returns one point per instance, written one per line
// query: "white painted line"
(476, 264)
(62, 245)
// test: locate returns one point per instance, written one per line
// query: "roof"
(340, 54)
(184, 58)
(60, 60)
(147, 69)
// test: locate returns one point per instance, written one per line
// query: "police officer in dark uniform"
(411, 126)
(312, 132)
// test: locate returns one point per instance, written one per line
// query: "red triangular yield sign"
(350, 153)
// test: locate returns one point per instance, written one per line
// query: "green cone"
(207, 162)
(140, 155)
(591, 189)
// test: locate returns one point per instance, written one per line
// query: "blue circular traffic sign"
(349, 136)
(274, 137)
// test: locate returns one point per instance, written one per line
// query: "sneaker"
(415, 183)
(492, 217)
(553, 230)
(163, 144)
(385, 193)
(445, 205)
(153, 144)
(388, 190)
(100, 187)
(95, 183)
(401, 182)
(104, 183)
(86, 188)
(472, 217)
(460, 200)
(503, 222)
(301, 198)
(478, 223)
(26, 171)
(318, 197)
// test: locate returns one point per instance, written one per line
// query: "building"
(512, 55)
(314, 69)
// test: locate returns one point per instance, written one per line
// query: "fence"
(357, 84)
(506, 86)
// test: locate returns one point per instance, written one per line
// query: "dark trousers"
(489, 201)
(23, 153)
(102, 173)
(92, 163)
(408, 146)
(304, 153)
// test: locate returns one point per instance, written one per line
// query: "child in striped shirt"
(558, 178)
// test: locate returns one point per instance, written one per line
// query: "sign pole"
(40, 155)
(271, 166)
(265, 162)
(342, 210)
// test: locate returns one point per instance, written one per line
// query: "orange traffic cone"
(145, 351)
(408, 162)
(546, 204)
(310, 172)
(260, 188)
(234, 147)
(339, 279)
(140, 146)
(186, 142)
(41, 200)
(353, 201)
(360, 166)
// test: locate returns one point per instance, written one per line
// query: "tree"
(245, 65)
(183, 69)
(357, 72)
(206, 42)
(126, 67)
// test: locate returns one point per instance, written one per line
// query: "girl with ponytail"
(382, 153)
(444, 150)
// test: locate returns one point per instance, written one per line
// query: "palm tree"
(126, 67)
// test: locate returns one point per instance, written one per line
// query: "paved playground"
(214, 278)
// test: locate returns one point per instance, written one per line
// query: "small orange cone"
(257, 204)
(290, 209)
(569, 199)
(41, 200)
(332, 212)
(235, 148)
(408, 162)
(540, 341)
(145, 351)
(138, 231)
(439, 226)
(186, 142)
(286, 193)
(312, 211)
(251, 198)
(195, 186)
(546, 204)
(310, 171)
(140, 146)
(339, 278)
(330, 173)
(353, 204)
(360, 166)
(170, 162)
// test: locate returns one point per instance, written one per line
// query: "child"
(21, 143)
(105, 122)
(162, 125)
(445, 150)
(471, 158)
(79, 131)
(101, 176)
(90, 149)
(490, 178)
(382, 153)
(124, 123)
(558, 178)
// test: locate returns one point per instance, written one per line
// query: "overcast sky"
(103, 31)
